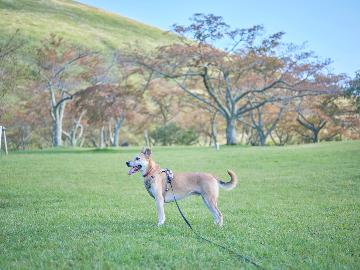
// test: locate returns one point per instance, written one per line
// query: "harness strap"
(169, 176)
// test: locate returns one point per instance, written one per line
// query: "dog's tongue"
(132, 170)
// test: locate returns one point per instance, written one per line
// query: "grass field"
(296, 207)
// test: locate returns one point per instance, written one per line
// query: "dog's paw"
(219, 223)
(160, 223)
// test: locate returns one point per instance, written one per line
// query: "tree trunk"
(315, 137)
(102, 137)
(76, 131)
(117, 127)
(56, 132)
(314, 128)
(230, 131)
(57, 115)
(242, 135)
(214, 135)
(74, 138)
(82, 142)
(213, 138)
(146, 138)
(261, 137)
(283, 137)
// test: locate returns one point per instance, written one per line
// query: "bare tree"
(107, 104)
(317, 114)
(281, 137)
(76, 131)
(239, 78)
(263, 121)
(60, 66)
(314, 126)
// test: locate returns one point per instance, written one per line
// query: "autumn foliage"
(217, 84)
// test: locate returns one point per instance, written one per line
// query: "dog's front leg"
(160, 209)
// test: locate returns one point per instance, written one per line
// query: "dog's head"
(140, 162)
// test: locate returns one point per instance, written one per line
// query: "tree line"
(216, 84)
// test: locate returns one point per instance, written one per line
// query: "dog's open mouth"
(134, 169)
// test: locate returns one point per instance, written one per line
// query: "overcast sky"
(331, 28)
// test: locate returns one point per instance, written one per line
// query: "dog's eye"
(137, 158)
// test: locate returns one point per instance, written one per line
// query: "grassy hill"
(76, 22)
(296, 207)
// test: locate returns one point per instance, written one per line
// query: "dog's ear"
(146, 152)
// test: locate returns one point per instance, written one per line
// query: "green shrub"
(172, 134)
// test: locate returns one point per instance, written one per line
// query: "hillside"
(76, 22)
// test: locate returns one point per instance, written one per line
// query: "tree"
(350, 108)
(285, 130)
(131, 85)
(9, 66)
(313, 124)
(213, 129)
(63, 68)
(263, 121)
(204, 121)
(76, 130)
(353, 91)
(27, 118)
(107, 104)
(315, 114)
(166, 101)
(239, 78)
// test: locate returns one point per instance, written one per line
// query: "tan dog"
(184, 184)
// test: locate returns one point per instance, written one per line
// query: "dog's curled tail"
(231, 184)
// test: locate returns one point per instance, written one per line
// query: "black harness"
(169, 176)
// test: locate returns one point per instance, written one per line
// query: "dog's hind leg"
(211, 203)
(220, 215)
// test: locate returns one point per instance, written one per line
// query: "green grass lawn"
(295, 207)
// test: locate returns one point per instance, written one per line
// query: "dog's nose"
(127, 163)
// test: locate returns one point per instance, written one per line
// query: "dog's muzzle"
(134, 168)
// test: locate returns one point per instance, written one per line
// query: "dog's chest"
(150, 187)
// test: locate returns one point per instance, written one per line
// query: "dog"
(184, 184)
